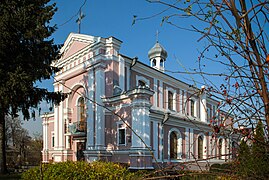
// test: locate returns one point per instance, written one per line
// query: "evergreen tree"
(26, 54)
(244, 159)
(253, 157)
(259, 153)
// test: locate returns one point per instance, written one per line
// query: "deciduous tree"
(236, 38)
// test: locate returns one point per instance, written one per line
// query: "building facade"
(121, 110)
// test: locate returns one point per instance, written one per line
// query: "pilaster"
(203, 108)
(140, 155)
(100, 114)
(90, 110)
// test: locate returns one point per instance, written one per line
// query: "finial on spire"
(80, 17)
(157, 36)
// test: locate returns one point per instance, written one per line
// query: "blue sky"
(114, 18)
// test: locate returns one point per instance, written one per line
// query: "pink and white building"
(122, 110)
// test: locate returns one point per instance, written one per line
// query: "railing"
(77, 128)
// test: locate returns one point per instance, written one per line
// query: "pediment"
(74, 43)
(74, 47)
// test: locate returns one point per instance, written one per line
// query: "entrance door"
(80, 149)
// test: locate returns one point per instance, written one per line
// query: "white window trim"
(118, 137)
(142, 78)
(179, 144)
(204, 145)
(195, 107)
(174, 98)
(223, 151)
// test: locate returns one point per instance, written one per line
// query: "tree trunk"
(3, 165)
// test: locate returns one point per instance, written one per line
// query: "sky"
(107, 18)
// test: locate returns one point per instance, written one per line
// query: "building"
(122, 110)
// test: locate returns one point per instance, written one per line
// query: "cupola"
(157, 56)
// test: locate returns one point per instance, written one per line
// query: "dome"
(157, 51)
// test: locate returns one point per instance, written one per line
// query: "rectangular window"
(192, 108)
(121, 134)
(170, 100)
(52, 141)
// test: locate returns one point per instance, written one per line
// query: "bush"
(215, 168)
(221, 168)
(80, 170)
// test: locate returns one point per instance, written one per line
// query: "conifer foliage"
(26, 54)
(253, 156)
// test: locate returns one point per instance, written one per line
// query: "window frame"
(121, 127)
(193, 108)
(179, 143)
(173, 92)
(200, 149)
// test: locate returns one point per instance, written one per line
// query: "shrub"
(221, 168)
(80, 170)
(215, 168)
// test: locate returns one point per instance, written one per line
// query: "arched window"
(161, 63)
(81, 114)
(173, 145)
(220, 148)
(200, 147)
(154, 62)
(170, 100)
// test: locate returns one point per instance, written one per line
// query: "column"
(187, 143)
(141, 125)
(161, 94)
(191, 143)
(140, 156)
(56, 120)
(90, 109)
(99, 115)
(161, 141)
(203, 105)
(121, 73)
(61, 119)
(155, 86)
(45, 139)
(155, 138)
(184, 102)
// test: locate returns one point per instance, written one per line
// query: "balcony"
(78, 128)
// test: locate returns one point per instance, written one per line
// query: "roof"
(157, 50)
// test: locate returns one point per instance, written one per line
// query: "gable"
(74, 43)
(74, 47)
